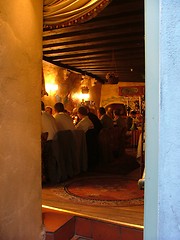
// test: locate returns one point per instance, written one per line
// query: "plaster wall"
(100, 94)
(110, 94)
(169, 139)
(162, 153)
(69, 83)
(20, 126)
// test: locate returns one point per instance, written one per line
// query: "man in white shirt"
(85, 123)
(48, 123)
(48, 126)
(63, 120)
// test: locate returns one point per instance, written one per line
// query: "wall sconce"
(51, 88)
(84, 90)
(84, 93)
(80, 96)
(85, 96)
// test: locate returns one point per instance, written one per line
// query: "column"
(20, 126)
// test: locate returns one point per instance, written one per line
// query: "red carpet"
(101, 190)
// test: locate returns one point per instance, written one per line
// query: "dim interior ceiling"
(112, 42)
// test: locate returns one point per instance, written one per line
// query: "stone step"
(76, 237)
(66, 226)
(58, 225)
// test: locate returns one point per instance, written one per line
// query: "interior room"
(100, 62)
(78, 59)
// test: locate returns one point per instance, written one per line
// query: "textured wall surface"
(162, 198)
(110, 94)
(20, 83)
(68, 85)
(169, 165)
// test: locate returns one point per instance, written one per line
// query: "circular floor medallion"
(102, 190)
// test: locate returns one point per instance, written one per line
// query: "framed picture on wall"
(131, 91)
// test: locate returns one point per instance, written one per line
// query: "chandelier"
(112, 77)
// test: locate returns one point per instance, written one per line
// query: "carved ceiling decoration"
(110, 43)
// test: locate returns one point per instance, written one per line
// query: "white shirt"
(48, 124)
(85, 124)
(64, 121)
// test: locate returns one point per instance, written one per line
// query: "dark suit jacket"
(106, 121)
(96, 122)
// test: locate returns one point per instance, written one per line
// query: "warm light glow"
(85, 96)
(80, 96)
(50, 85)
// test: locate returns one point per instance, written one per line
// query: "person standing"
(119, 121)
(63, 120)
(48, 131)
(49, 110)
(107, 122)
(85, 123)
(48, 123)
(94, 119)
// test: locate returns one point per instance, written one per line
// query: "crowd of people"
(58, 119)
(84, 118)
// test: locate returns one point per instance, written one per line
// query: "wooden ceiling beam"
(98, 53)
(137, 40)
(93, 48)
(96, 39)
(131, 53)
(87, 37)
(50, 60)
(124, 65)
(123, 28)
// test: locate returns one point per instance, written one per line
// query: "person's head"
(42, 106)
(59, 107)
(82, 112)
(102, 111)
(133, 114)
(49, 109)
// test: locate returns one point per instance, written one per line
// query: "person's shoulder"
(67, 115)
(45, 114)
(79, 125)
(47, 117)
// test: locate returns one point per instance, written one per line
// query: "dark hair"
(133, 112)
(59, 107)
(42, 106)
(83, 111)
(102, 110)
(50, 109)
